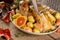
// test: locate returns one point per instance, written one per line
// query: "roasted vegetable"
(28, 29)
(51, 17)
(24, 8)
(57, 15)
(35, 15)
(30, 24)
(46, 22)
(31, 19)
(58, 22)
(52, 11)
(38, 26)
(35, 30)
(16, 15)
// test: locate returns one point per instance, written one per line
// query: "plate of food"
(27, 20)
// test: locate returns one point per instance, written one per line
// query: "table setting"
(29, 20)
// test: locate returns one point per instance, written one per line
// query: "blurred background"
(54, 4)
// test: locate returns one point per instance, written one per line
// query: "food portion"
(5, 34)
(58, 22)
(57, 15)
(30, 21)
(21, 21)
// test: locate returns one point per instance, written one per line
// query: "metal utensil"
(35, 6)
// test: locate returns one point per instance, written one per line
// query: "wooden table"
(24, 36)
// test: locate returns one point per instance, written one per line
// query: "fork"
(35, 6)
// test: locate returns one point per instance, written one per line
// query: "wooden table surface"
(24, 36)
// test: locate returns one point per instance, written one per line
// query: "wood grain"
(24, 36)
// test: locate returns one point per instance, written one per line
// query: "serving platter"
(32, 32)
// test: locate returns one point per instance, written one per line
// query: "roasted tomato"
(58, 22)
(5, 33)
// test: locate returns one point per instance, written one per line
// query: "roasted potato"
(30, 24)
(31, 19)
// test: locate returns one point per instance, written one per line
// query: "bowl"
(33, 32)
